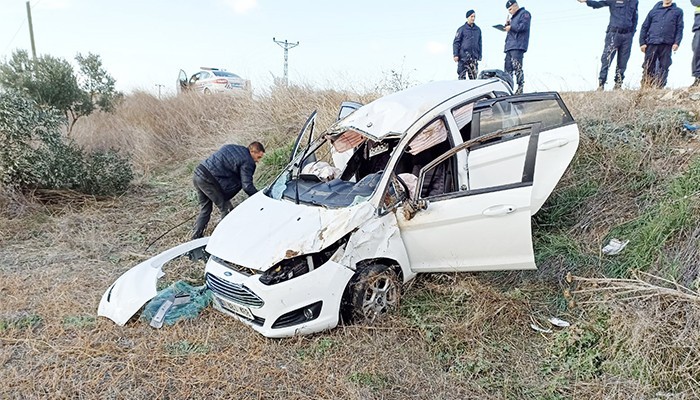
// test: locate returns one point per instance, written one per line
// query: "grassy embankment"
(636, 176)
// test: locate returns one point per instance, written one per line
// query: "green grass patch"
(186, 348)
(317, 349)
(374, 381)
(79, 321)
(20, 322)
(658, 225)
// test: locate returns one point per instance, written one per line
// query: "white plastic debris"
(614, 247)
(538, 328)
(559, 322)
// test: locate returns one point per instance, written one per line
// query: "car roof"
(393, 115)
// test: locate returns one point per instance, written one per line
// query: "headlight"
(299, 265)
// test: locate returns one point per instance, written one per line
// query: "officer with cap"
(517, 40)
(618, 37)
(661, 33)
(466, 48)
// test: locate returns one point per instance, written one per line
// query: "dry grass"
(456, 336)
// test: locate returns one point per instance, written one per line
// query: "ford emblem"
(227, 273)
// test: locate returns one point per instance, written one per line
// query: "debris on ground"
(177, 302)
(614, 247)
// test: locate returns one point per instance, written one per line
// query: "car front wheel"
(373, 292)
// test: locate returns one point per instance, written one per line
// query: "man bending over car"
(220, 177)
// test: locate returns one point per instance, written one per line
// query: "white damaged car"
(441, 177)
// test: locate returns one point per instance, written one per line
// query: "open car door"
(305, 138)
(474, 230)
(520, 147)
(181, 84)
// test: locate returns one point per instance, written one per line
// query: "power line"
(286, 46)
(14, 36)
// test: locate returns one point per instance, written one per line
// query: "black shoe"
(601, 87)
(519, 90)
(696, 83)
(618, 86)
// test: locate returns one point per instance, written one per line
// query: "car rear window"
(225, 74)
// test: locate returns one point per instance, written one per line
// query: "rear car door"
(520, 147)
(472, 230)
(559, 138)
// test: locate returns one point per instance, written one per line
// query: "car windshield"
(336, 172)
(225, 74)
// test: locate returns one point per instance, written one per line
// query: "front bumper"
(282, 304)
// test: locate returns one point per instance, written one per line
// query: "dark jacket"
(518, 38)
(696, 24)
(663, 25)
(233, 167)
(624, 14)
(467, 43)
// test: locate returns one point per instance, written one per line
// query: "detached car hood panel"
(262, 231)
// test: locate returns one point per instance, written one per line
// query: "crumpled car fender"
(138, 285)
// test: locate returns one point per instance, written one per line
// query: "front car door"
(483, 222)
(304, 139)
(181, 84)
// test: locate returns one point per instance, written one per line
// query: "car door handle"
(502, 209)
(553, 144)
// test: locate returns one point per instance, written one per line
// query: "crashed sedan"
(441, 177)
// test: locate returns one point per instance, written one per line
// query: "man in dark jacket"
(696, 43)
(221, 176)
(466, 48)
(618, 38)
(517, 40)
(661, 34)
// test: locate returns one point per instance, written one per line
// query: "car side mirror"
(411, 207)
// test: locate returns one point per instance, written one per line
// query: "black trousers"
(696, 54)
(619, 44)
(657, 61)
(467, 67)
(514, 65)
(208, 194)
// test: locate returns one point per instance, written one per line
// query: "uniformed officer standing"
(618, 37)
(466, 48)
(661, 33)
(696, 43)
(517, 40)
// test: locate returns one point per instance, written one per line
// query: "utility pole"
(31, 30)
(159, 86)
(286, 46)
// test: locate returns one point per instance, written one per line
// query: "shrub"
(34, 154)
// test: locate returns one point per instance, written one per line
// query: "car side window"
(507, 114)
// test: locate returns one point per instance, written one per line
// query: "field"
(635, 317)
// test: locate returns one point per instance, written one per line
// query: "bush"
(34, 154)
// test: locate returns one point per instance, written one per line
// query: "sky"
(342, 45)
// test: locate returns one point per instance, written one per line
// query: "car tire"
(372, 293)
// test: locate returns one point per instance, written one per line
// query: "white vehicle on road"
(441, 177)
(213, 80)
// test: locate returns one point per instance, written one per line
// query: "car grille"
(233, 291)
(238, 268)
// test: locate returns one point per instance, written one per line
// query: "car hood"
(262, 231)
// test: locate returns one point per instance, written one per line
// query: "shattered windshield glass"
(336, 171)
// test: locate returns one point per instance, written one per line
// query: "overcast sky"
(342, 44)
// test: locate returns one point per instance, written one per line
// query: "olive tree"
(52, 82)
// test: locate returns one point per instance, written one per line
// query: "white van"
(441, 177)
